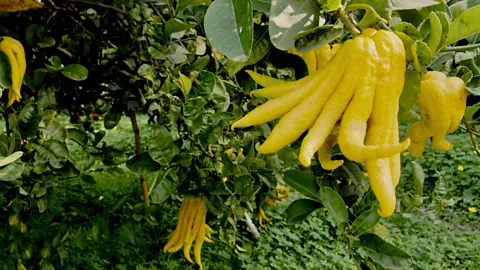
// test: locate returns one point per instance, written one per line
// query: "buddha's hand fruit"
(442, 103)
(16, 56)
(19, 5)
(191, 227)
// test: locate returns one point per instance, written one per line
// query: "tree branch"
(99, 5)
(461, 48)
(138, 150)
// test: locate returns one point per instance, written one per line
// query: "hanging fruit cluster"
(351, 98)
(191, 226)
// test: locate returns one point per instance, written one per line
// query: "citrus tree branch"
(138, 150)
(461, 48)
(348, 23)
(99, 5)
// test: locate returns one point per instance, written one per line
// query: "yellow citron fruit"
(19, 5)
(191, 227)
(442, 103)
(16, 56)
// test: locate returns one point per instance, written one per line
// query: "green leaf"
(335, 204)
(167, 184)
(411, 90)
(418, 178)
(300, 209)
(142, 164)
(422, 56)
(384, 253)
(331, 4)
(461, 6)
(367, 220)
(5, 71)
(467, 24)
(46, 42)
(160, 145)
(353, 171)
(182, 4)
(46, 97)
(413, 4)
(57, 148)
(261, 47)
(262, 5)
(112, 118)
(11, 158)
(317, 37)
(185, 84)
(303, 182)
(382, 8)
(30, 118)
(287, 18)
(176, 25)
(78, 136)
(12, 171)
(75, 72)
(130, 231)
(55, 130)
(229, 28)
(53, 152)
(193, 118)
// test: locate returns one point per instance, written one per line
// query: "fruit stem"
(348, 24)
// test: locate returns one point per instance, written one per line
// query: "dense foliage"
(77, 190)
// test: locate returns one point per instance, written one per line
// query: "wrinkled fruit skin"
(351, 99)
(442, 103)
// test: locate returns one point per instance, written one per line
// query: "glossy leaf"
(300, 209)
(142, 164)
(261, 47)
(289, 17)
(160, 145)
(335, 204)
(229, 28)
(112, 118)
(78, 136)
(75, 72)
(384, 253)
(367, 220)
(353, 171)
(303, 182)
